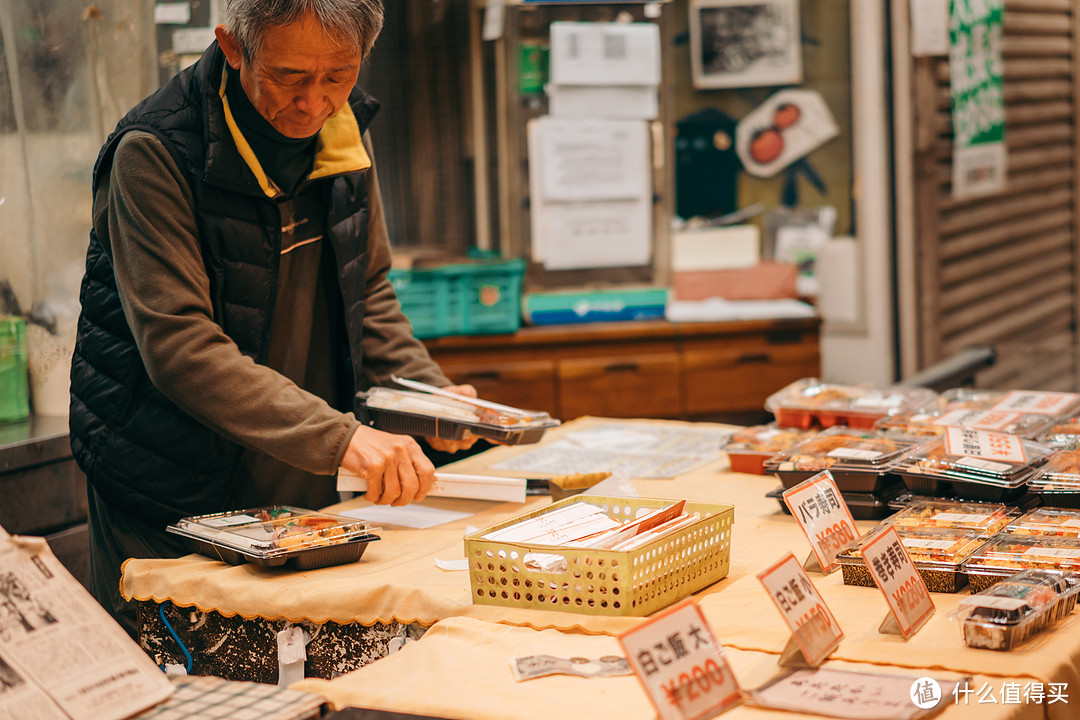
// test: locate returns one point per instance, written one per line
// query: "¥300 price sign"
(813, 625)
(824, 517)
(678, 661)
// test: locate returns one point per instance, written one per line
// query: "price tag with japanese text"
(1039, 403)
(823, 516)
(981, 419)
(679, 663)
(996, 447)
(896, 576)
(811, 622)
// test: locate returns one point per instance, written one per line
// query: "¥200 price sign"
(896, 576)
(823, 516)
(678, 661)
(812, 623)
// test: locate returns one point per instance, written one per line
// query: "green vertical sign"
(978, 101)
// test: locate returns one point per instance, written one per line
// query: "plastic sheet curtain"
(68, 70)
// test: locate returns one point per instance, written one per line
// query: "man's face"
(299, 78)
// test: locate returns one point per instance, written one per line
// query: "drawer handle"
(752, 358)
(623, 367)
(482, 375)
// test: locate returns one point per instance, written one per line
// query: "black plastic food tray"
(863, 506)
(1057, 498)
(924, 484)
(304, 559)
(855, 573)
(846, 480)
(405, 423)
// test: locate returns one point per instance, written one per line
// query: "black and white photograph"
(742, 43)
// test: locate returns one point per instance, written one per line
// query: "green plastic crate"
(462, 299)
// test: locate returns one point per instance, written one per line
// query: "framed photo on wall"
(745, 43)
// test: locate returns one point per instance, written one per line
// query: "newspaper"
(61, 656)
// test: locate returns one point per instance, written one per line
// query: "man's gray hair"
(354, 23)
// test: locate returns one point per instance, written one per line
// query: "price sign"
(811, 622)
(1040, 403)
(679, 663)
(823, 516)
(896, 576)
(999, 447)
(981, 419)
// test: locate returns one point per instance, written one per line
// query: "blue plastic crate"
(462, 299)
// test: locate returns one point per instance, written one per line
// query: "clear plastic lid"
(1024, 597)
(1011, 553)
(272, 531)
(841, 447)
(1053, 404)
(932, 459)
(1047, 521)
(931, 548)
(445, 408)
(986, 518)
(813, 394)
(765, 439)
(1061, 473)
(1064, 433)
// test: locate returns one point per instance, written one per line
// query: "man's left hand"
(452, 446)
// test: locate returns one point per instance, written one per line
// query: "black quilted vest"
(143, 454)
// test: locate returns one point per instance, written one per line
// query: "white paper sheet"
(593, 234)
(590, 159)
(622, 102)
(412, 516)
(587, 53)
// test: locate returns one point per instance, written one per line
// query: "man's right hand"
(396, 470)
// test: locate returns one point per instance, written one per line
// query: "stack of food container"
(1058, 482)
(859, 461)
(810, 403)
(930, 469)
(749, 448)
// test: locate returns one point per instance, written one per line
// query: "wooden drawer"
(620, 386)
(737, 379)
(529, 385)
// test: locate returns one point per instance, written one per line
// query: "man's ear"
(229, 46)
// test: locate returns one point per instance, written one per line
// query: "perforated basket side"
(605, 582)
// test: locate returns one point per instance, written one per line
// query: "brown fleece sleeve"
(389, 345)
(146, 212)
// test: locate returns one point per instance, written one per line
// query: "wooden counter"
(693, 371)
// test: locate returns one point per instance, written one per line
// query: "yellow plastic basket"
(605, 582)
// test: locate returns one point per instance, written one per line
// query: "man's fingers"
(408, 483)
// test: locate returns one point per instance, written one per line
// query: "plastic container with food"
(748, 448)
(859, 460)
(1058, 482)
(863, 506)
(937, 553)
(809, 402)
(277, 535)
(1053, 404)
(1025, 425)
(1056, 522)
(1007, 554)
(1006, 614)
(1063, 434)
(929, 469)
(410, 412)
(987, 518)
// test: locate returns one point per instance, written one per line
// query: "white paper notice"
(192, 40)
(174, 13)
(595, 234)
(412, 516)
(929, 27)
(586, 53)
(584, 160)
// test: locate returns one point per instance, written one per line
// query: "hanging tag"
(494, 19)
(292, 653)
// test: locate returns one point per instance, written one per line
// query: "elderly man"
(236, 294)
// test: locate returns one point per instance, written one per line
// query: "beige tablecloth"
(397, 579)
(461, 669)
